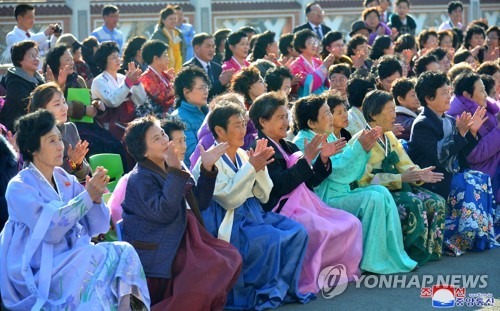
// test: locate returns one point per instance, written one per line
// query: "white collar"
(203, 63)
(314, 26)
(405, 110)
(20, 31)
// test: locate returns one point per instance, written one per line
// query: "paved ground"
(381, 299)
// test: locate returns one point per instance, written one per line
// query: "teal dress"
(383, 248)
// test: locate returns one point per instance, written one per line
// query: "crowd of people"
(252, 162)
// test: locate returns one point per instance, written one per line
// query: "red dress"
(159, 88)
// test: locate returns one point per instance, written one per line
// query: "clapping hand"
(133, 73)
(63, 75)
(463, 123)
(428, 176)
(331, 149)
(313, 147)
(96, 186)
(261, 156)
(368, 138)
(212, 155)
(397, 129)
(477, 120)
(171, 157)
(77, 154)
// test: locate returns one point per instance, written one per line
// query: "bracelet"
(74, 167)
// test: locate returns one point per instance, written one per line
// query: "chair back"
(110, 161)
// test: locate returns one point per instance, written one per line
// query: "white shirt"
(319, 27)
(44, 42)
(203, 63)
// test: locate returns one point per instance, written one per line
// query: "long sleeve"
(350, 164)
(319, 75)
(487, 147)
(204, 189)
(139, 95)
(111, 97)
(232, 191)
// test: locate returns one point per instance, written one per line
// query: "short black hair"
(328, 39)
(261, 42)
(263, 65)
(199, 38)
(334, 99)
(164, 13)
(285, 42)
(53, 58)
(130, 51)
(341, 68)
(172, 123)
(374, 103)
(366, 2)
(219, 36)
(488, 68)
(405, 42)
(135, 136)
(305, 109)
(18, 50)
(422, 63)
(248, 30)
(464, 82)
(220, 115)
(42, 95)
(185, 80)
(423, 37)
(453, 5)
(458, 69)
(103, 51)
(309, 6)
(22, 9)
(369, 11)
(439, 53)
(153, 48)
(401, 1)
(300, 38)
(274, 77)
(354, 42)
(387, 66)
(380, 44)
(427, 85)
(233, 39)
(243, 80)
(461, 56)
(445, 33)
(109, 9)
(401, 87)
(29, 130)
(489, 84)
(473, 30)
(357, 87)
(265, 106)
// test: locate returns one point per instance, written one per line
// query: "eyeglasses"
(33, 55)
(313, 43)
(203, 88)
(335, 80)
(114, 57)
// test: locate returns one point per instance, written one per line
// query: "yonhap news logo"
(332, 281)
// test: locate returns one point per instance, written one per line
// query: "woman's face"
(445, 64)
(67, 60)
(386, 118)
(337, 48)
(324, 123)
(446, 43)
(240, 49)
(410, 101)
(273, 48)
(170, 21)
(362, 48)
(286, 86)
(340, 117)
(441, 101)
(30, 60)
(372, 20)
(156, 143)
(58, 106)
(386, 83)
(235, 132)
(77, 55)
(493, 40)
(277, 126)
(479, 95)
(431, 43)
(179, 139)
(390, 50)
(199, 94)
(477, 39)
(162, 61)
(51, 150)
(311, 47)
(113, 62)
(338, 82)
(257, 89)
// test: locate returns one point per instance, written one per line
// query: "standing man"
(455, 14)
(25, 17)
(204, 51)
(108, 31)
(314, 14)
(187, 31)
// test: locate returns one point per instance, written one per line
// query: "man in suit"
(314, 14)
(204, 51)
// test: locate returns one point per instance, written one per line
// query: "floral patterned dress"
(421, 211)
(160, 92)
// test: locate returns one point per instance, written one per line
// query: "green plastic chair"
(110, 161)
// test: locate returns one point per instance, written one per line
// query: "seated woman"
(440, 140)
(333, 43)
(357, 88)
(49, 96)
(407, 105)
(421, 211)
(132, 52)
(236, 52)
(272, 246)
(338, 75)
(266, 47)
(120, 93)
(335, 237)
(20, 81)
(313, 71)
(205, 137)
(373, 205)
(156, 80)
(191, 91)
(47, 260)
(469, 95)
(60, 66)
(249, 83)
(161, 219)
